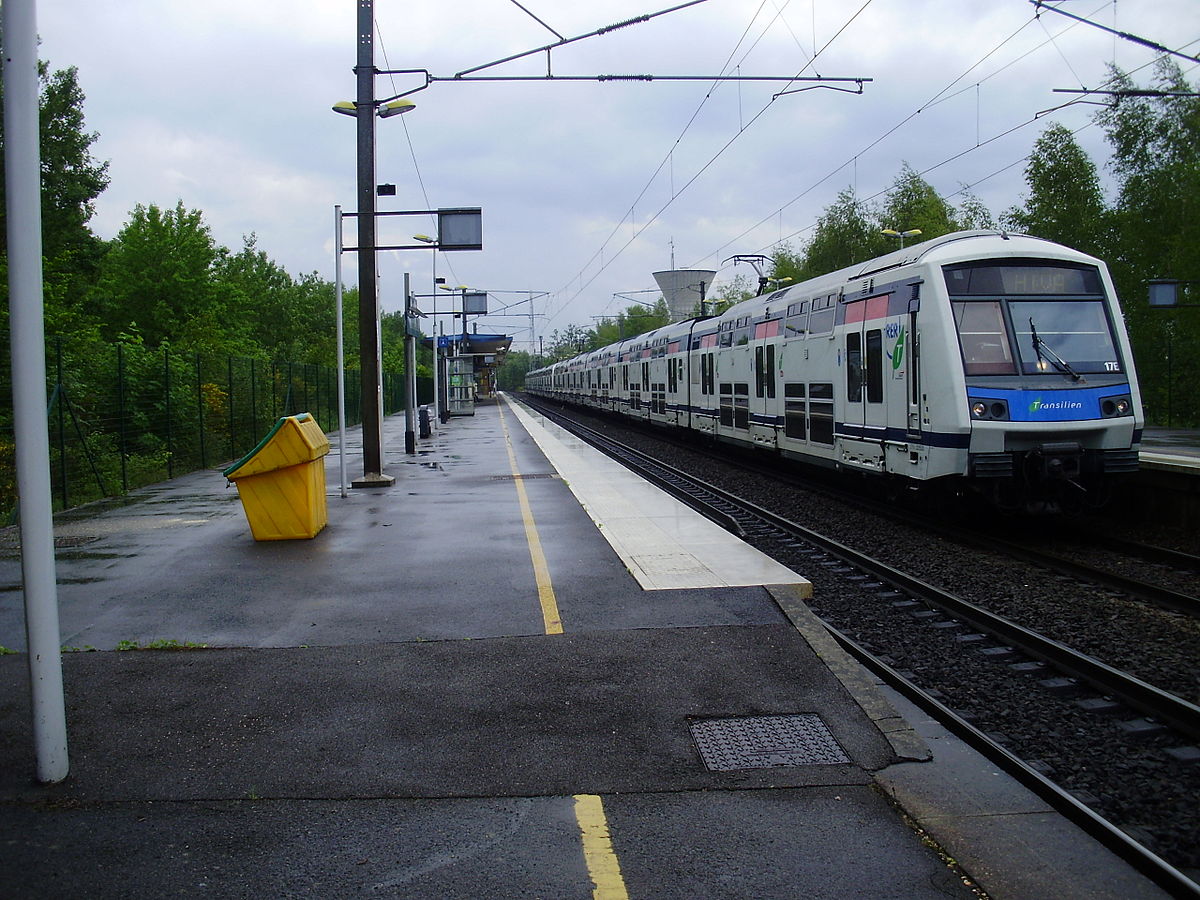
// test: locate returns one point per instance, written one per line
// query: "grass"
(161, 644)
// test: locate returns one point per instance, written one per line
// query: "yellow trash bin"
(282, 481)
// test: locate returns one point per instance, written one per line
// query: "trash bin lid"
(293, 440)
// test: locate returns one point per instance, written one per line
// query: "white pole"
(22, 169)
(341, 346)
(437, 398)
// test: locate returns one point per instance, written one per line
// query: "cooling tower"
(682, 290)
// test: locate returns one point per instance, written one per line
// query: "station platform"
(519, 671)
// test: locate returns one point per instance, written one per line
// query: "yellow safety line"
(602, 863)
(603, 866)
(541, 571)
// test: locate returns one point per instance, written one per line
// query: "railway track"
(1166, 561)
(1012, 659)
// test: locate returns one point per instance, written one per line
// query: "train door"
(865, 426)
(676, 383)
(763, 405)
(702, 383)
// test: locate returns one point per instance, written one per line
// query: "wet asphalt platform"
(389, 708)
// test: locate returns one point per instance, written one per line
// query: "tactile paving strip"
(761, 742)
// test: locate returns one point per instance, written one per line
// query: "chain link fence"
(123, 416)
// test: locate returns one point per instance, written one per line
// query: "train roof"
(977, 244)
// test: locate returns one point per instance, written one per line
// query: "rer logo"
(897, 354)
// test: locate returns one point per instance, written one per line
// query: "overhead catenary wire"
(939, 97)
(408, 138)
(883, 191)
(742, 130)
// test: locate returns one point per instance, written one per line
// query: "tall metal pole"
(22, 170)
(437, 396)
(341, 347)
(368, 289)
(410, 373)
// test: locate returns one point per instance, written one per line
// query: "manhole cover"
(762, 742)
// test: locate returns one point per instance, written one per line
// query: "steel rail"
(1141, 858)
(1148, 592)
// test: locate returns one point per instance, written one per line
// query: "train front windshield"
(1031, 319)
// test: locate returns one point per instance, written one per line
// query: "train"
(981, 363)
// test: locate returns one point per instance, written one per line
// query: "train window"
(797, 321)
(741, 405)
(708, 373)
(875, 366)
(820, 320)
(820, 412)
(764, 371)
(1077, 332)
(854, 367)
(727, 339)
(1033, 277)
(727, 404)
(795, 423)
(983, 335)
(768, 329)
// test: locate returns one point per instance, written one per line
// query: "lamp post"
(1164, 294)
(891, 232)
(365, 108)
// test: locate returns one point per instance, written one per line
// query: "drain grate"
(762, 742)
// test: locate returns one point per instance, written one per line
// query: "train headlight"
(988, 409)
(1111, 407)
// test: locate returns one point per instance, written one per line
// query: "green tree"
(157, 280)
(634, 320)
(1065, 202)
(911, 202)
(730, 293)
(972, 213)
(71, 181)
(1156, 160)
(261, 304)
(847, 232)
(511, 376)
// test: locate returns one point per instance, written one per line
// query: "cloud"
(226, 106)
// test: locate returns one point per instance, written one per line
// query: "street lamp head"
(385, 110)
(396, 107)
(424, 239)
(890, 232)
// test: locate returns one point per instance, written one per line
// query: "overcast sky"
(585, 187)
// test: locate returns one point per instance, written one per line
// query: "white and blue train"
(983, 361)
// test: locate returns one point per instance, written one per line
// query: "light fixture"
(424, 239)
(892, 232)
(396, 107)
(384, 111)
